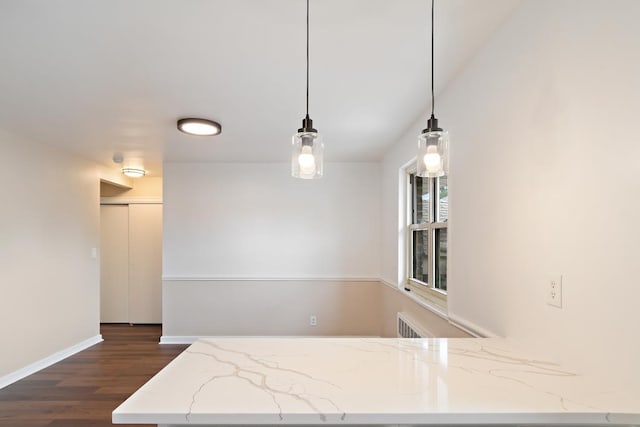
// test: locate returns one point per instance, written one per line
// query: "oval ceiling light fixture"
(132, 172)
(199, 127)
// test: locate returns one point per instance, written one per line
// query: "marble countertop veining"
(372, 381)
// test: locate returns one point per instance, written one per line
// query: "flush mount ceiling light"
(134, 172)
(433, 142)
(199, 127)
(306, 158)
(134, 168)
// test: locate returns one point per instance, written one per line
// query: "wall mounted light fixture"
(433, 142)
(308, 148)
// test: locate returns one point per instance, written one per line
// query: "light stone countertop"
(372, 381)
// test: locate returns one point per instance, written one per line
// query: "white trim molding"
(179, 339)
(457, 321)
(48, 361)
(470, 327)
(420, 301)
(428, 305)
(267, 279)
(389, 284)
(130, 200)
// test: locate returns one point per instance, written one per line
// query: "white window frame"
(427, 292)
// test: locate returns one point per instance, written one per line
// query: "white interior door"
(114, 263)
(145, 263)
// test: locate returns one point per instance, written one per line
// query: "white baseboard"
(48, 361)
(178, 339)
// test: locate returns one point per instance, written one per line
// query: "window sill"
(435, 308)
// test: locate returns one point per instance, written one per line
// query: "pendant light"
(433, 142)
(306, 157)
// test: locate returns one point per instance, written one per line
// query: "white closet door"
(114, 263)
(145, 263)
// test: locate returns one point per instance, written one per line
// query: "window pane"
(421, 200)
(420, 256)
(443, 199)
(440, 254)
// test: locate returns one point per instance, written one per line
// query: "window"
(428, 214)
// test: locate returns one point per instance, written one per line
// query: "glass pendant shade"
(433, 153)
(433, 143)
(306, 157)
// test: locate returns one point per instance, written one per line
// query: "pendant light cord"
(433, 98)
(307, 58)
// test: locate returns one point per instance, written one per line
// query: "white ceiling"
(102, 76)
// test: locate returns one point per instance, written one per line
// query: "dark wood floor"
(85, 388)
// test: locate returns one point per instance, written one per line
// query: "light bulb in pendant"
(432, 160)
(307, 161)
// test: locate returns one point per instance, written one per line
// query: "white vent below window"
(409, 328)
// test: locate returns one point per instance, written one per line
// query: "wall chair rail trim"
(267, 279)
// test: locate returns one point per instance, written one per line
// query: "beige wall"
(49, 223)
(113, 176)
(270, 307)
(277, 307)
(393, 301)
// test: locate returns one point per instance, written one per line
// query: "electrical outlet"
(313, 320)
(554, 290)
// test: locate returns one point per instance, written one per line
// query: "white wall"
(49, 222)
(255, 222)
(393, 225)
(544, 178)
